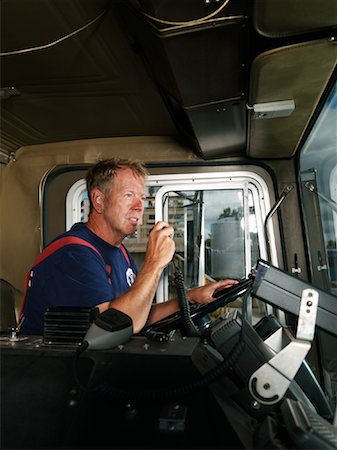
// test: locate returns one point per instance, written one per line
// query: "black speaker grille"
(67, 325)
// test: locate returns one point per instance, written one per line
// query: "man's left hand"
(204, 294)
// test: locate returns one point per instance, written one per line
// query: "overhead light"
(7, 92)
(271, 110)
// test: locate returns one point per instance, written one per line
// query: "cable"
(57, 41)
(170, 392)
(67, 36)
(80, 349)
(188, 22)
(187, 327)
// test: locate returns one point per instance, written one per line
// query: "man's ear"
(97, 200)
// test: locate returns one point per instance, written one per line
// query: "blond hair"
(102, 174)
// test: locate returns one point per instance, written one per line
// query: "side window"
(77, 204)
(332, 232)
(318, 177)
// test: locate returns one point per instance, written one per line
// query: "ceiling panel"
(91, 85)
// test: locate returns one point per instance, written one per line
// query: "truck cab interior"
(232, 106)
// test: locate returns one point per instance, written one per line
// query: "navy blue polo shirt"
(76, 276)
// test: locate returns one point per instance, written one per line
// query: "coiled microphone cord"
(188, 328)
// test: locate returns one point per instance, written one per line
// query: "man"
(99, 271)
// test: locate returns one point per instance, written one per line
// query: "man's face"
(123, 203)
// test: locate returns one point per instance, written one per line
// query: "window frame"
(73, 212)
(214, 181)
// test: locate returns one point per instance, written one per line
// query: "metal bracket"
(269, 383)
(307, 315)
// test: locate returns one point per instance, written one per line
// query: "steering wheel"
(198, 311)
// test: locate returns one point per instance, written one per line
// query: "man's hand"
(204, 294)
(137, 301)
(161, 246)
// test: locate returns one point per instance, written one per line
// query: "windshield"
(318, 176)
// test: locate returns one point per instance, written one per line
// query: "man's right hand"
(137, 301)
(161, 246)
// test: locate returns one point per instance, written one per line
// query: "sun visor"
(284, 93)
(279, 18)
